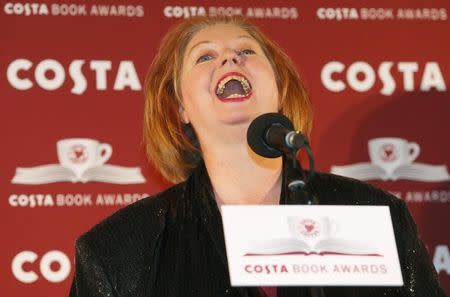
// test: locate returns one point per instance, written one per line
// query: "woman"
(210, 79)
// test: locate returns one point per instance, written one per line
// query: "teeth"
(245, 84)
(235, 96)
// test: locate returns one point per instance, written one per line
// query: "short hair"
(171, 145)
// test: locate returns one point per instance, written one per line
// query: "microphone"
(272, 134)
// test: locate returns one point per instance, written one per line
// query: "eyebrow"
(207, 41)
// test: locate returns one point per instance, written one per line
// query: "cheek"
(183, 105)
(194, 91)
(272, 89)
(196, 81)
(189, 85)
(266, 75)
(189, 104)
(187, 97)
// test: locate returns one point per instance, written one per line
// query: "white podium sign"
(303, 245)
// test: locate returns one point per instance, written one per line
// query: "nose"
(230, 60)
(231, 57)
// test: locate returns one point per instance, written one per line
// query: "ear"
(183, 114)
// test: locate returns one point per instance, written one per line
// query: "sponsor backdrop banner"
(72, 75)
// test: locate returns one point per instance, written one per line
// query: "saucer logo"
(393, 158)
(80, 160)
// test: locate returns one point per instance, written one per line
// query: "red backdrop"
(75, 71)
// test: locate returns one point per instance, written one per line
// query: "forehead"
(219, 33)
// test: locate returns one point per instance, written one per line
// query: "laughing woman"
(210, 78)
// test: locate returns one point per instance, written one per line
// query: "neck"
(239, 176)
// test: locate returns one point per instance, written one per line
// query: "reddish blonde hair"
(171, 145)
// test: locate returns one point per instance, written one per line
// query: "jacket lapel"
(202, 195)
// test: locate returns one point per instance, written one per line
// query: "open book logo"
(312, 236)
(80, 160)
(392, 158)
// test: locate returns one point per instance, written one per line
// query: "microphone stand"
(297, 180)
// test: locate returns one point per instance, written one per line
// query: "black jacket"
(172, 245)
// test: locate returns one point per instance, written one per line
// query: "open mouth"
(233, 86)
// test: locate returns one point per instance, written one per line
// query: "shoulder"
(339, 190)
(416, 264)
(335, 189)
(118, 254)
(134, 229)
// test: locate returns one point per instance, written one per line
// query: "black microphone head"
(256, 133)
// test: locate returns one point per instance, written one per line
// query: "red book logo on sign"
(312, 236)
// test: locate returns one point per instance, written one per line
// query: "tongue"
(232, 87)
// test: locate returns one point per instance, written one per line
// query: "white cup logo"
(80, 154)
(392, 152)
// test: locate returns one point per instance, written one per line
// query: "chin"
(238, 119)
